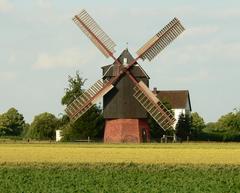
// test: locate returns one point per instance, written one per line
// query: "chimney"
(155, 90)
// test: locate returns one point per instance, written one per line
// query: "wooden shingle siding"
(119, 102)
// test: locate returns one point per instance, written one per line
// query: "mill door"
(144, 135)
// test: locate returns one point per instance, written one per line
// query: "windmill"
(124, 87)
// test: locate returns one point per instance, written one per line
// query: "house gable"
(178, 99)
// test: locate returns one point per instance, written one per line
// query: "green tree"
(4, 122)
(183, 127)
(91, 124)
(44, 126)
(26, 131)
(11, 123)
(227, 128)
(74, 89)
(197, 124)
(229, 122)
(210, 127)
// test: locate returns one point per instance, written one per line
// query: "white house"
(58, 135)
(179, 100)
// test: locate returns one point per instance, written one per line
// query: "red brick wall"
(125, 130)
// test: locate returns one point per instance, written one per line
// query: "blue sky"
(40, 46)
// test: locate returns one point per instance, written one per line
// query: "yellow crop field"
(186, 153)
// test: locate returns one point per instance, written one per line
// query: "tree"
(75, 89)
(227, 128)
(11, 123)
(183, 127)
(229, 125)
(4, 122)
(197, 124)
(210, 127)
(44, 126)
(26, 131)
(229, 122)
(91, 124)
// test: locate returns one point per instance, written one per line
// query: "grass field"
(194, 153)
(193, 167)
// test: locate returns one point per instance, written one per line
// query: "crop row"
(118, 178)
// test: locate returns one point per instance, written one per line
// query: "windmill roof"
(137, 70)
(177, 98)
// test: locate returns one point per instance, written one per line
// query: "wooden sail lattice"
(153, 106)
(163, 38)
(94, 32)
(85, 101)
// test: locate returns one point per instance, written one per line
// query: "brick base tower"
(126, 130)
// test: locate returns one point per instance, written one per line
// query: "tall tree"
(91, 124)
(11, 123)
(229, 122)
(4, 122)
(44, 126)
(197, 125)
(183, 127)
(74, 89)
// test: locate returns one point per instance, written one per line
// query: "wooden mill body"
(125, 118)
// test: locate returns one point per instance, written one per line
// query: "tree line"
(91, 124)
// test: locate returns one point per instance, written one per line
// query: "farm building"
(178, 99)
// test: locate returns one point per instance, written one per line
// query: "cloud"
(12, 59)
(66, 59)
(214, 52)
(201, 31)
(201, 75)
(226, 14)
(6, 6)
(7, 76)
(45, 4)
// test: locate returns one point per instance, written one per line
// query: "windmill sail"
(93, 31)
(163, 38)
(153, 106)
(85, 101)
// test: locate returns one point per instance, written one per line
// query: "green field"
(193, 167)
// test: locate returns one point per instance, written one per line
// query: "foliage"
(26, 131)
(93, 178)
(229, 122)
(74, 89)
(44, 126)
(183, 127)
(227, 128)
(4, 129)
(91, 124)
(197, 124)
(11, 123)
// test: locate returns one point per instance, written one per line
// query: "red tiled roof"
(177, 98)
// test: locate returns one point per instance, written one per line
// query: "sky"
(40, 46)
